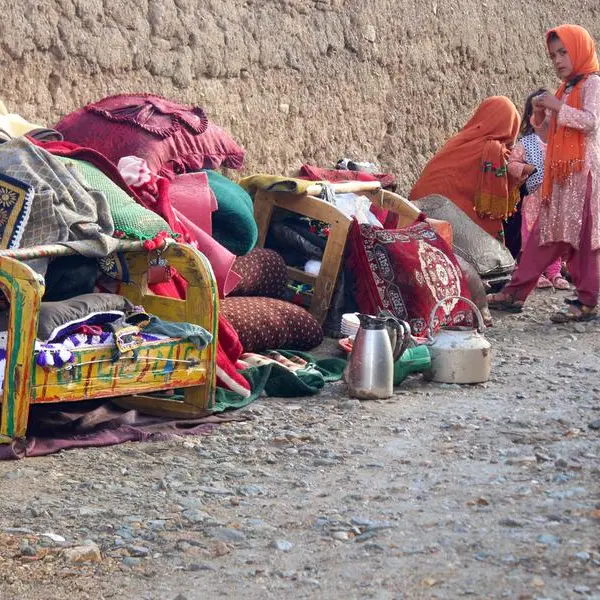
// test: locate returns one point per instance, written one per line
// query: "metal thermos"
(379, 342)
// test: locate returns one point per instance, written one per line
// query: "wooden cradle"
(160, 365)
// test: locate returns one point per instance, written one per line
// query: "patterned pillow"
(407, 271)
(263, 273)
(268, 324)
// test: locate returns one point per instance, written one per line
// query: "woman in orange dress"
(471, 168)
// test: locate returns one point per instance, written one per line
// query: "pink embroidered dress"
(561, 219)
(530, 207)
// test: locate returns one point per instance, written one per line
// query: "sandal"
(576, 312)
(504, 302)
(560, 283)
(543, 283)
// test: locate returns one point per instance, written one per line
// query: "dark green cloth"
(233, 224)
(276, 380)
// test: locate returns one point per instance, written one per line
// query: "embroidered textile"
(15, 205)
(407, 271)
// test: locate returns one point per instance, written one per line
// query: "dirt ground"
(488, 491)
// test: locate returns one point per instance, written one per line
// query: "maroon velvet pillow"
(407, 271)
(173, 138)
(269, 324)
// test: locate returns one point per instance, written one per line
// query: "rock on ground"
(486, 491)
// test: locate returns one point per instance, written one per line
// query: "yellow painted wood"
(303, 276)
(156, 368)
(345, 187)
(24, 290)
(95, 375)
(200, 306)
(158, 305)
(162, 407)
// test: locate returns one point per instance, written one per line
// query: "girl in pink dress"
(526, 163)
(569, 219)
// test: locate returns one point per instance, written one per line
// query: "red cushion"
(407, 271)
(269, 324)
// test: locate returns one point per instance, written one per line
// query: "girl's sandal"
(560, 283)
(575, 312)
(543, 283)
(504, 302)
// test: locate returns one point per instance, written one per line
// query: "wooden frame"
(166, 365)
(308, 205)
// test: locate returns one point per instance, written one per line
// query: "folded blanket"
(275, 183)
(274, 376)
(63, 211)
(387, 180)
(233, 222)
(131, 219)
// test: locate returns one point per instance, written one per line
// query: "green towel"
(129, 217)
(276, 380)
(233, 224)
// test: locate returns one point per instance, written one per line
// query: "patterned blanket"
(63, 209)
(16, 199)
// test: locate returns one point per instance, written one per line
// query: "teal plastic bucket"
(413, 360)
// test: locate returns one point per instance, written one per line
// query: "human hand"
(546, 101)
(528, 170)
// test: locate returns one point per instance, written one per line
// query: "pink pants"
(553, 270)
(583, 263)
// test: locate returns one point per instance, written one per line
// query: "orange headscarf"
(471, 168)
(566, 146)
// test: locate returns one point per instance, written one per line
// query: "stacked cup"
(350, 325)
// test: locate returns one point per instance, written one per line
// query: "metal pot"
(461, 354)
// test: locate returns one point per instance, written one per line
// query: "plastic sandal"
(504, 303)
(576, 312)
(560, 283)
(543, 283)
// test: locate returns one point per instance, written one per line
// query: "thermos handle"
(406, 338)
(480, 323)
(403, 333)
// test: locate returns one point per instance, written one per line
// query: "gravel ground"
(488, 491)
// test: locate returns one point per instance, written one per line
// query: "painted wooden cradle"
(162, 365)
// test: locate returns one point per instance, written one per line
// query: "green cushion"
(233, 222)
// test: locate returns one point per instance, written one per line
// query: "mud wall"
(293, 80)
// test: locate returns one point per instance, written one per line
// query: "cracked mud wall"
(293, 80)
